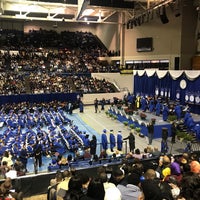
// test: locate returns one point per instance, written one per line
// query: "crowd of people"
(67, 52)
(31, 64)
(170, 178)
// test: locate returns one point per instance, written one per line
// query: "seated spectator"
(19, 167)
(75, 189)
(130, 189)
(190, 189)
(136, 154)
(96, 189)
(8, 158)
(156, 152)
(63, 185)
(52, 189)
(111, 191)
(6, 193)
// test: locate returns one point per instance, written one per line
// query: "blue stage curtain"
(146, 85)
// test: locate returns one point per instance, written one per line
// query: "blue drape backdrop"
(168, 86)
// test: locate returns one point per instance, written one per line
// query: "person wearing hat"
(178, 111)
(165, 112)
(119, 141)
(112, 140)
(104, 140)
(158, 107)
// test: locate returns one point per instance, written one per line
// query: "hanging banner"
(157, 91)
(186, 97)
(191, 98)
(162, 92)
(178, 95)
(197, 98)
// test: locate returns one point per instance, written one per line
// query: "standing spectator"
(93, 146)
(150, 128)
(164, 146)
(173, 132)
(119, 141)
(131, 139)
(23, 156)
(112, 140)
(103, 102)
(104, 140)
(96, 105)
(81, 106)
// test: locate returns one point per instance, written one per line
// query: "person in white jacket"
(111, 191)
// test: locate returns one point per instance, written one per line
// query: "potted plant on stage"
(114, 117)
(138, 129)
(125, 123)
(132, 126)
(107, 113)
(143, 116)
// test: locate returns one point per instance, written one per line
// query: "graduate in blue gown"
(104, 140)
(178, 111)
(158, 108)
(112, 140)
(165, 112)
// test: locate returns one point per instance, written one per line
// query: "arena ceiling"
(93, 11)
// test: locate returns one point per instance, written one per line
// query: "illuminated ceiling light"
(85, 19)
(87, 12)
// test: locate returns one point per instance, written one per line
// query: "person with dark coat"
(112, 140)
(23, 156)
(93, 146)
(150, 128)
(38, 154)
(173, 132)
(131, 139)
(96, 102)
(81, 106)
(119, 141)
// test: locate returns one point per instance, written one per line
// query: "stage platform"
(142, 123)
